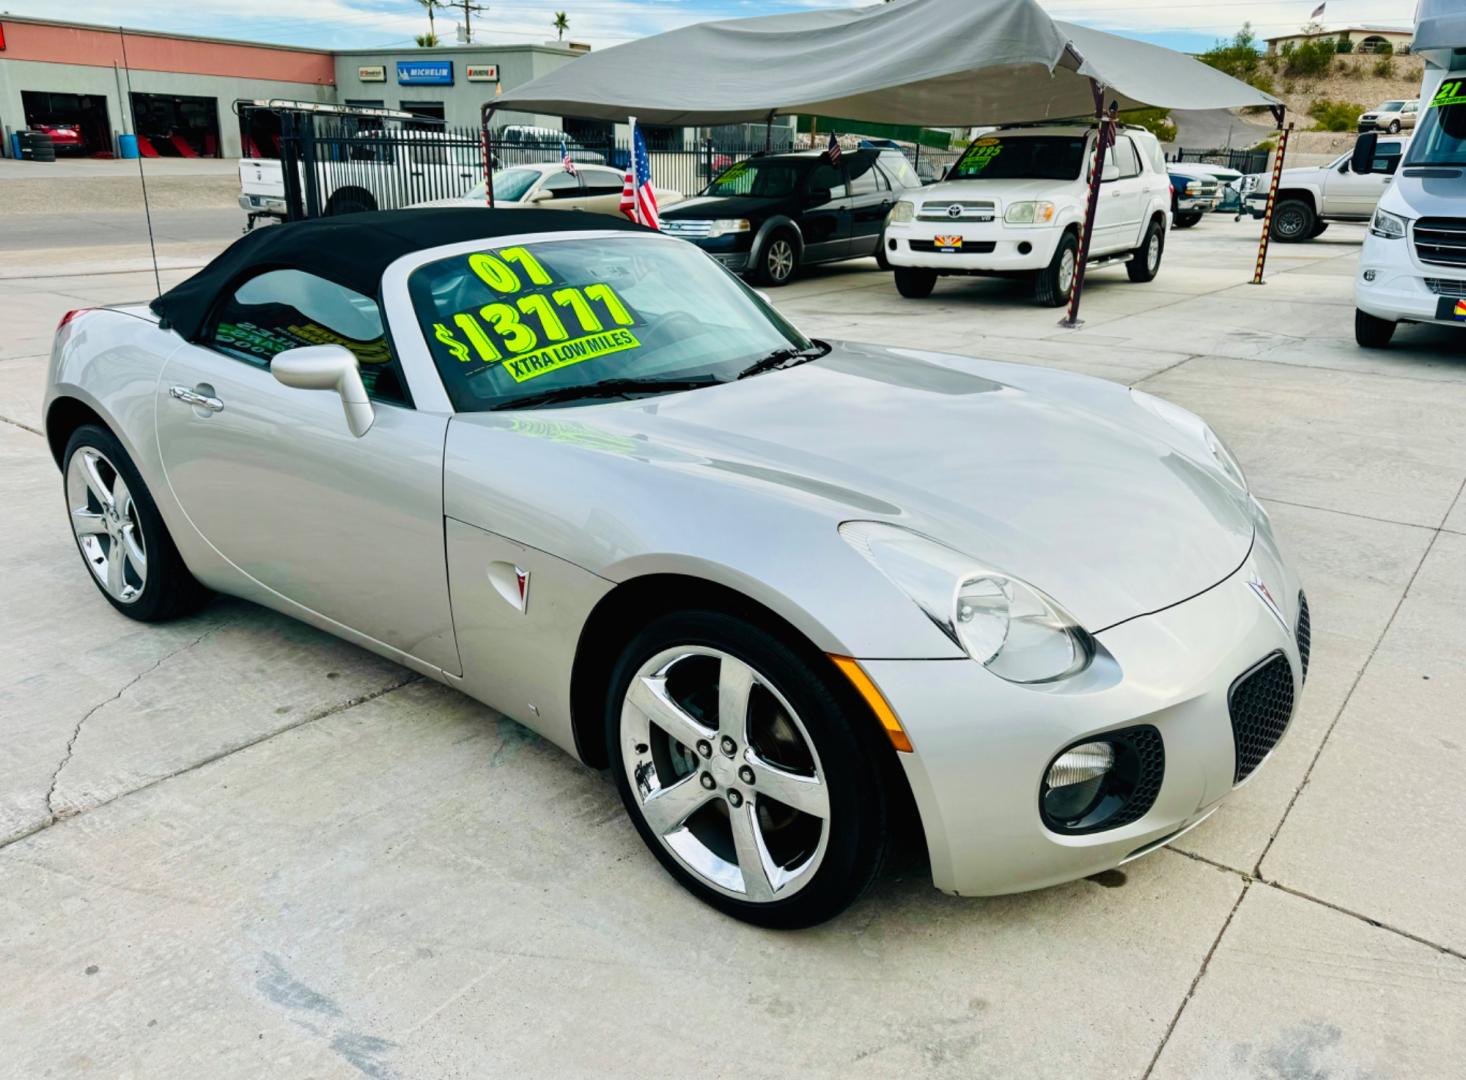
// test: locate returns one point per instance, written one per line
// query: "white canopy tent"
(923, 62)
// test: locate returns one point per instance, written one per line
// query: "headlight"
(1197, 429)
(1192, 187)
(1005, 624)
(723, 226)
(1029, 213)
(1387, 225)
(904, 210)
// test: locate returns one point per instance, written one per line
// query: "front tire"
(1052, 284)
(915, 283)
(778, 260)
(1394, 127)
(120, 534)
(1185, 221)
(1146, 262)
(1371, 332)
(1293, 221)
(745, 769)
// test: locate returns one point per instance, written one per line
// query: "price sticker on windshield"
(980, 154)
(1450, 93)
(538, 323)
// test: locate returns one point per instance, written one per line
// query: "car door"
(870, 200)
(1409, 113)
(1117, 218)
(824, 214)
(601, 189)
(559, 190)
(1347, 194)
(348, 528)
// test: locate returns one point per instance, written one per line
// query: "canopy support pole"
(1279, 111)
(1104, 138)
(485, 113)
(769, 132)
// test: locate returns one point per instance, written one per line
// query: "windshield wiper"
(608, 388)
(782, 358)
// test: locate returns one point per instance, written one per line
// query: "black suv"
(773, 213)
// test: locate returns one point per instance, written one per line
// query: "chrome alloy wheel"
(1067, 263)
(725, 773)
(780, 259)
(104, 519)
(1153, 253)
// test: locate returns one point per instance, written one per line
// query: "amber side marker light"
(873, 697)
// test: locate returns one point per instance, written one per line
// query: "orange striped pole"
(1272, 197)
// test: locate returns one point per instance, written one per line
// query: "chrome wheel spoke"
(667, 808)
(648, 695)
(87, 523)
(116, 566)
(133, 549)
(804, 793)
(735, 683)
(93, 478)
(753, 858)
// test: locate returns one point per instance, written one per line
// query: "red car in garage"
(64, 136)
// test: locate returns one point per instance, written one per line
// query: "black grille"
(1305, 633)
(982, 247)
(1150, 760)
(1261, 704)
(1446, 287)
(1441, 241)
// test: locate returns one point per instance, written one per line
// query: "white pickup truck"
(1311, 197)
(363, 169)
(1014, 203)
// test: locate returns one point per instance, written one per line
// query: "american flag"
(1318, 10)
(638, 198)
(565, 158)
(833, 150)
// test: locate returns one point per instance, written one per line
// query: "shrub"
(1343, 45)
(1313, 58)
(1384, 67)
(1385, 49)
(1241, 59)
(1157, 121)
(1334, 115)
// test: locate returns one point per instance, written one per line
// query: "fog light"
(1076, 779)
(1024, 247)
(891, 244)
(1369, 275)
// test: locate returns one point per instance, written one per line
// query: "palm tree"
(562, 23)
(426, 41)
(432, 29)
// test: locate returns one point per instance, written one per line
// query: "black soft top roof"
(354, 250)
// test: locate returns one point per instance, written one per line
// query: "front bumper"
(1399, 291)
(986, 246)
(1192, 204)
(982, 745)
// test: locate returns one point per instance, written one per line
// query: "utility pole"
(469, 7)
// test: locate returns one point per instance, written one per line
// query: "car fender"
(778, 221)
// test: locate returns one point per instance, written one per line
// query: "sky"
(1190, 25)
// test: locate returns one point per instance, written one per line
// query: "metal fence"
(333, 163)
(1244, 161)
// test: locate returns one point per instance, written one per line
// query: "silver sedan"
(791, 593)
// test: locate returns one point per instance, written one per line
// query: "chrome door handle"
(193, 397)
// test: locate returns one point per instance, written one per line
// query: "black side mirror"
(1362, 160)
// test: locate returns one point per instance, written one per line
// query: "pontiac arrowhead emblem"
(521, 577)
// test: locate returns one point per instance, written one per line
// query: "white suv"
(1014, 204)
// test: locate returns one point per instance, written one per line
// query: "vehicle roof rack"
(288, 105)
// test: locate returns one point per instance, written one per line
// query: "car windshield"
(774, 179)
(1021, 157)
(509, 185)
(1391, 106)
(512, 322)
(1440, 136)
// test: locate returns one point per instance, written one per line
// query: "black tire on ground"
(1318, 229)
(881, 259)
(1293, 221)
(845, 738)
(914, 283)
(778, 260)
(1186, 220)
(1146, 262)
(1050, 288)
(350, 201)
(1371, 332)
(169, 590)
(1394, 127)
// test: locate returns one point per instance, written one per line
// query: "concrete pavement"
(233, 846)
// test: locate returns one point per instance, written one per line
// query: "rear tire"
(797, 723)
(121, 536)
(1371, 332)
(1293, 221)
(915, 283)
(350, 201)
(1185, 221)
(1051, 285)
(1146, 262)
(1394, 127)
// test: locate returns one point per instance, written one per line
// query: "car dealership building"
(179, 90)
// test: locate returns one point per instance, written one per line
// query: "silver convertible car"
(791, 593)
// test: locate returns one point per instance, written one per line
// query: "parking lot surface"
(233, 846)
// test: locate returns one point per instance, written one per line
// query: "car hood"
(721, 206)
(1058, 479)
